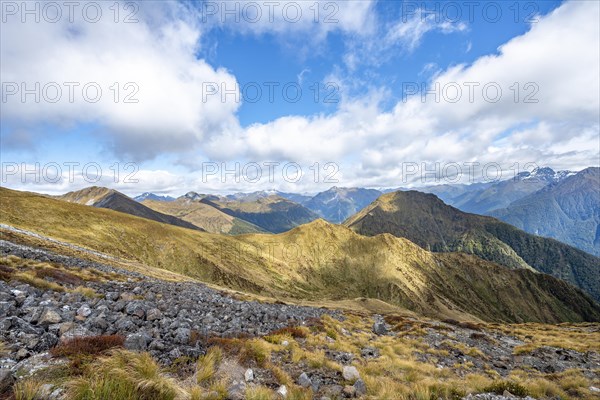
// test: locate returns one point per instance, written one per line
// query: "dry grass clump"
(124, 375)
(27, 389)
(247, 351)
(295, 332)
(207, 365)
(87, 345)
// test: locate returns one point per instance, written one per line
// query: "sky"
(298, 96)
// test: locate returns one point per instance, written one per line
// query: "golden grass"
(27, 389)
(398, 373)
(207, 365)
(259, 393)
(580, 337)
(124, 375)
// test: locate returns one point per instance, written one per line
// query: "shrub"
(58, 276)
(87, 345)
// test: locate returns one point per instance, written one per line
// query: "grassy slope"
(204, 216)
(427, 221)
(273, 213)
(314, 261)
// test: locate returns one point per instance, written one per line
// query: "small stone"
(84, 311)
(6, 379)
(380, 329)
(282, 391)
(304, 380)
(249, 375)
(349, 392)
(594, 389)
(21, 354)
(137, 341)
(153, 314)
(350, 373)
(157, 345)
(182, 335)
(45, 391)
(135, 308)
(369, 352)
(360, 387)
(49, 317)
(285, 343)
(236, 391)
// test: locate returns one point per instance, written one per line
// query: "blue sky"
(263, 58)
(361, 61)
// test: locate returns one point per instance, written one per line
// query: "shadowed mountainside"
(432, 224)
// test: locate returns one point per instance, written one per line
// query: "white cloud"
(156, 55)
(313, 20)
(559, 55)
(410, 31)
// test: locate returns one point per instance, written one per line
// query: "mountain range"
(482, 198)
(567, 210)
(319, 261)
(107, 198)
(430, 223)
(190, 208)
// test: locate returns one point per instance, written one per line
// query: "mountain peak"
(152, 196)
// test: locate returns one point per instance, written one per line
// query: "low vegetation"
(52, 276)
(401, 366)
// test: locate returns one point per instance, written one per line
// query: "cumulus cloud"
(140, 82)
(556, 63)
(562, 115)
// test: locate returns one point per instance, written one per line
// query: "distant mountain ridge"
(430, 223)
(337, 204)
(482, 198)
(107, 198)
(272, 213)
(568, 210)
(152, 196)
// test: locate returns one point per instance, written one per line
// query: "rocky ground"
(176, 320)
(167, 319)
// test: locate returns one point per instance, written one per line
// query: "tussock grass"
(207, 365)
(124, 375)
(27, 389)
(259, 393)
(580, 337)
